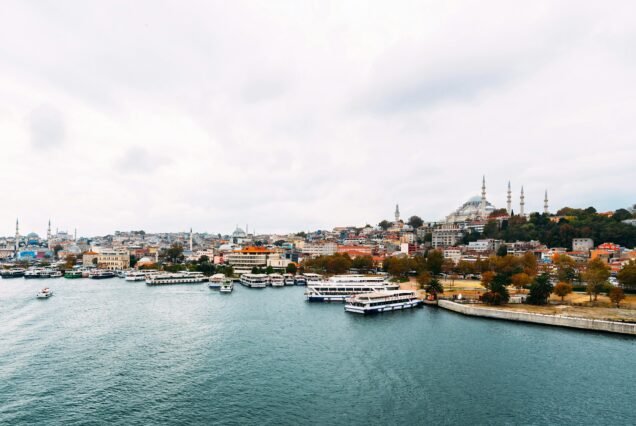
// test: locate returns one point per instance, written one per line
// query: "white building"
(582, 244)
(319, 249)
(247, 258)
(446, 235)
(453, 253)
(487, 245)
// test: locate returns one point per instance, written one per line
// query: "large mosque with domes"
(479, 208)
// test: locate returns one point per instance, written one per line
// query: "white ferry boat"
(227, 287)
(12, 273)
(135, 276)
(176, 278)
(101, 274)
(381, 301)
(276, 280)
(289, 279)
(313, 279)
(254, 280)
(340, 287)
(217, 281)
(300, 280)
(45, 293)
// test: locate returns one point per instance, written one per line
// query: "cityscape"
(317, 213)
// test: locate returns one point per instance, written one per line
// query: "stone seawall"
(560, 321)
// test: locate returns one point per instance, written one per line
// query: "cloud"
(47, 127)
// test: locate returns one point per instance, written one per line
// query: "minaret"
(48, 232)
(397, 213)
(522, 203)
(190, 240)
(545, 202)
(482, 204)
(509, 200)
(75, 234)
(17, 237)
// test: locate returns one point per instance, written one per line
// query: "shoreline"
(616, 327)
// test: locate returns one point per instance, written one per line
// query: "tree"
(596, 277)
(465, 268)
(562, 289)
(206, 267)
(521, 280)
(301, 234)
(434, 287)
(498, 293)
(627, 275)
(616, 294)
(291, 268)
(423, 280)
(486, 279)
(58, 248)
(502, 250)
(540, 290)
(566, 268)
(363, 263)
(530, 264)
(621, 214)
(173, 254)
(434, 261)
(71, 260)
(269, 270)
(385, 224)
(204, 259)
(415, 222)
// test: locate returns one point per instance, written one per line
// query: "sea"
(122, 353)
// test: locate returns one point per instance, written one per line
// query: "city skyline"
(293, 117)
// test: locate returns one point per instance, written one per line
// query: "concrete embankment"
(557, 320)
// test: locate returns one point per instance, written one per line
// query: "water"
(115, 352)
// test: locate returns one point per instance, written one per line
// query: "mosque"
(479, 208)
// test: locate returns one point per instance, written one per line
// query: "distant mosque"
(479, 208)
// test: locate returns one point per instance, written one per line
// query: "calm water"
(108, 351)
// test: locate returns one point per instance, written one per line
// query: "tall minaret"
(190, 240)
(482, 204)
(509, 200)
(17, 236)
(545, 202)
(397, 213)
(522, 203)
(48, 232)
(75, 234)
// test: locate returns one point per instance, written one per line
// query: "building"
(475, 208)
(582, 244)
(453, 253)
(446, 235)
(484, 246)
(90, 258)
(113, 259)
(245, 259)
(319, 249)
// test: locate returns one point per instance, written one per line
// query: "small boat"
(289, 279)
(73, 274)
(56, 274)
(217, 281)
(135, 276)
(227, 287)
(120, 273)
(45, 293)
(99, 274)
(276, 280)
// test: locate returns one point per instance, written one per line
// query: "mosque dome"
(32, 235)
(239, 233)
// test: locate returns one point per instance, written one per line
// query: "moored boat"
(340, 287)
(217, 281)
(254, 280)
(12, 273)
(100, 274)
(73, 274)
(176, 278)
(135, 276)
(289, 279)
(276, 280)
(382, 301)
(227, 287)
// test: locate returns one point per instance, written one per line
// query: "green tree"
(206, 268)
(627, 276)
(434, 261)
(423, 280)
(540, 290)
(173, 254)
(498, 293)
(415, 222)
(596, 277)
(566, 268)
(269, 270)
(562, 289)
(502, 250)
(434, 287)
(616, 295)
(622, 214)
(291, 268)
(204, 259)
(362, 263)
(385, 224)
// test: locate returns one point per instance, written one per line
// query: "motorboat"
(45, 293)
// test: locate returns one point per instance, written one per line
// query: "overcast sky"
(299, 115)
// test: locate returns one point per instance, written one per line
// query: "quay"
(554, 320)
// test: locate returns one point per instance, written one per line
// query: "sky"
(299, 115)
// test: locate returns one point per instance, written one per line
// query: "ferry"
(340, 287)
(227, 287)
(56, 274)
(12, 273)
(300, 280)
(289, 279)
(381, 301)
(45, 293)
(313, 279)
(135, 276)
(254, 280)
(276, 280)
(32, 273)
(100, 274)
(217, 281)
(73, 274)
(176, 278)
